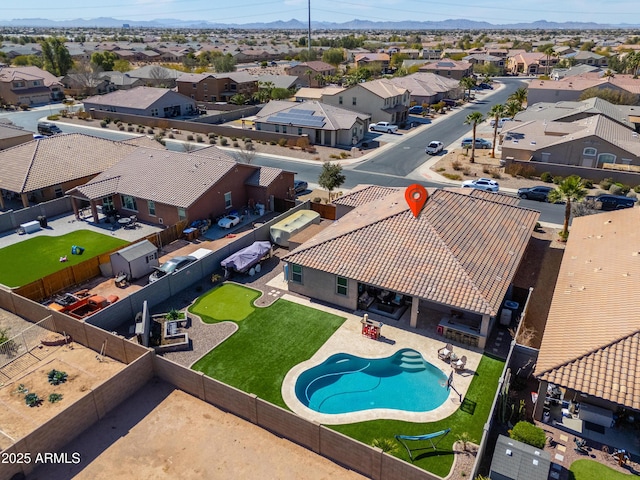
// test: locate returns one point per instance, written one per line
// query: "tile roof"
(461, 251)
(57, 159)
(263, 176)
(137, 97)
(426, 84)
(591, 341)
(11, 131)
(364, 194)
(172, 178)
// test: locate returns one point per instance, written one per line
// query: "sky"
(248, 11)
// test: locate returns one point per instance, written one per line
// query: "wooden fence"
(76, 274)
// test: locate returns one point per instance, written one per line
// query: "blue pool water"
(345, 383)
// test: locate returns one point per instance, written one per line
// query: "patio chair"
(460, 364)
(445, 352)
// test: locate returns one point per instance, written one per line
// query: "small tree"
(497, 111)
(331, 177)
(569, 190)
(528, 433)
(473, 119)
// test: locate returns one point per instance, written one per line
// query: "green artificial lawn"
(268, 343)
(470, 418)
(36, 257)
(591, 470)
(228, 302)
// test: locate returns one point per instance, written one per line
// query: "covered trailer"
(244, 260)
(282, 231)
(135, 261)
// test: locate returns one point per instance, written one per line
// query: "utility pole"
(309, 32)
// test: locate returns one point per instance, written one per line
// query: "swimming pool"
(346, 383)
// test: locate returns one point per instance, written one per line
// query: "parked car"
(300, 186)
(485, 86)
(500, 121)
(170, 266)
(539, 193)
(48, 128)
(229, 221)
(434, 148)
(383, 127)
(449, 102)
(480, 143)
(482, 184)
(612, 202)
(416, 109)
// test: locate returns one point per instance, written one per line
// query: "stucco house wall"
(322, 286)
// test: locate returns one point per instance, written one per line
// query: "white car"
(229, 221)
(482, 184)
(434, 148)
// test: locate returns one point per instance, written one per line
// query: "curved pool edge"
(450, 405)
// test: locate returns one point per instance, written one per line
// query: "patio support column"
(94, 211)
(415, 303)
(74, 205)
(25, 200)
(538, 408)
(1, 201)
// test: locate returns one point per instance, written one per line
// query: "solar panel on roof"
(303, 118)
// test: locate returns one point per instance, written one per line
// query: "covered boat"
(243, 260)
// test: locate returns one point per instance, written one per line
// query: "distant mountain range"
(106, 22)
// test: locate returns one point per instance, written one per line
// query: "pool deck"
(349, 339)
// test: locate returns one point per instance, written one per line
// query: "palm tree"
(512, 108)
(571, 189)
(467, 83)
(497, 112)
(473, 119)
(549, 52)
(520, 96)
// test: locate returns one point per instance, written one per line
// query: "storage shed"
(136, 261)
(294, 223)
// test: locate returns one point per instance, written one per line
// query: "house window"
(606, 158)
(128, 202)
(227, 200)
(589, 152)
(340, 100)
(152, 207)
(205, 86)
(194, 85)
(342, 286)
(353, 101)
(182, 213)
(258, 126)
(107, 203)
(296, 273)
(299, 130)
(58, 191)
(154, 112)
(284, 129)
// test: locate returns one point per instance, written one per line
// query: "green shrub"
(440, 169)
(272, 142)
(190, 138)
(558, 179)
(486, 169)
(171, 135)
(615, 189)
(56, 377)
(130, 129)
(223, 141)
(624, 188)
(528, 433)
(32, 399)
(55, 397)
(233, 139)
(452, 176)
(587, 183)
(150, 131)
(495, 173)
(282, 142)
(456, 165)
(344, 155)
(121, 128)
(636, 189)
(606, 183)
(104, 124)
(236, 144)
(212, 135)
(199, 139)
(53, 117)
(212, 141)
(388, 445)
(333, 155)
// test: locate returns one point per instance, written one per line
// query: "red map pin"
(416, 196)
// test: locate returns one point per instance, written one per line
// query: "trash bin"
(43, 221)
(76, 250)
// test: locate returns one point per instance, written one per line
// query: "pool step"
(412, 361)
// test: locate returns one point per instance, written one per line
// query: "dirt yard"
(83, 371)
(164, 433)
